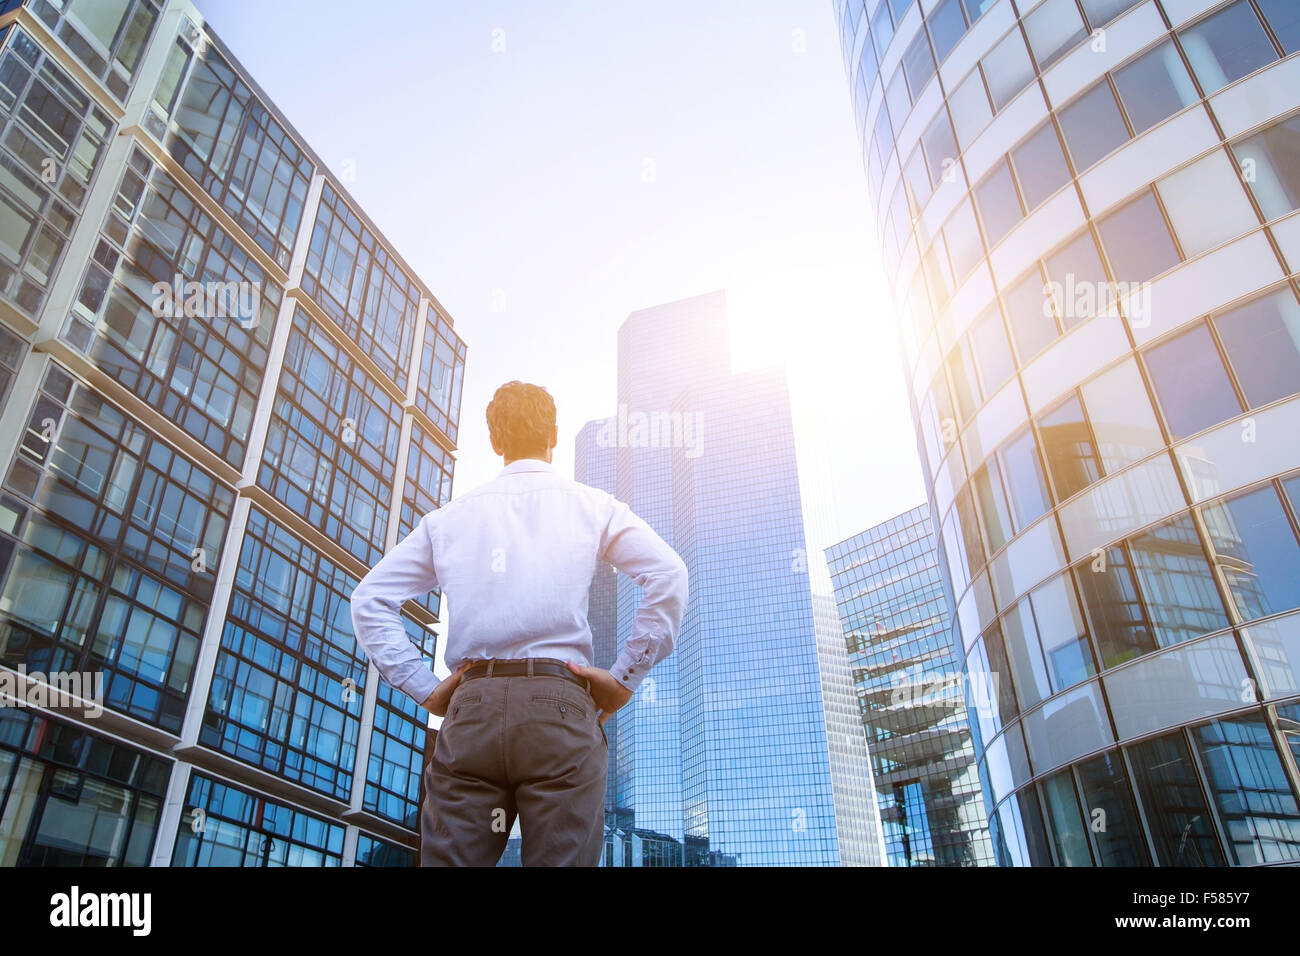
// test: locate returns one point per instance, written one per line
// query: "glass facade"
(709, 767)
(895, 616)
(201, 462)
(1112, 524)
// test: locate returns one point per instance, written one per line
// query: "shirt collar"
(526, 464)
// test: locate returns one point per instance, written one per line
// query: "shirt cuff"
(420, 685)
(630, 670)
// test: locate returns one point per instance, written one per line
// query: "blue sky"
(549, 167)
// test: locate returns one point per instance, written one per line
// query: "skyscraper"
(724, 748)
(225, 396)
(1088, 215)
(896, 619)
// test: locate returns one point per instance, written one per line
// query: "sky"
(548, 168)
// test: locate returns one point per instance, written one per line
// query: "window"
(998, 203)
(1063, 635)
(1226, 46)
(1105, 787)
(1191, 383)
(918, 65)
(896, 96)
(1154, 87)
(1026, 488)
(947, 25)
(1072, 457)
(940, 148)
(969, 106)
(1079, 287)
(1092, 125)
(883, 135)
(992, 505)
(961, 370)
(1270, 164)
(1262, 339)
(1040, 165)
(917, 177)
(992, 351)
(1171, 795)
(1101, 12)
(1181, 596)
(1255, 547)
(882, 28)
(1205, 203)
(1119, 410)
(1007, 69)
(1249, 786)
(975, 8)
(1065, 821)
(1284, 17)
(1026, 658)
(962, 236)
(1053, 28)
(1137, 241)
(898, 8)
(1029, 313)
(1110, 596)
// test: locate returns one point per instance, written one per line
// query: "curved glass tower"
(1089, 212)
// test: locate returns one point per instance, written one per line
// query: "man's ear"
(555, 435)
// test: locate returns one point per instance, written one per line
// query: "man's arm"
(403, 573)
(633, 547)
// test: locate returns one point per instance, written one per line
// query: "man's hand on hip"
(436, 703)
(606, 691)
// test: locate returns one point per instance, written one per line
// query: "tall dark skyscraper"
(225, 396)
(897, 618)
(723, 752)
(1088, 217)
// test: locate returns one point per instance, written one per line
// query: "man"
(524, 710)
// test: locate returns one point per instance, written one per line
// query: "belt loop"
(491, 664)
(530, 667)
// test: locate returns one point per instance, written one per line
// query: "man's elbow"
(681, 581)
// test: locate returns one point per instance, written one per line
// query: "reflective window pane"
(947, 26)
(1025, 655)
(962, 236)
(1109, 806)
(1205, 203)
(1007, 68)
(1182, 597)
(940, 148)
(1040, 165)
(1079, 284)
(1137, 241)
(1154, 86)
(882, 28)
(969, 105)
(1029, 312)
(1284, 17)
(1053, 28)
(998, 204)
(1227, 45)
(1171, 795)
(1092, 126)
(1191, 382)
(1248, 785)
(1262, 339)
(900, 104)
(1119, 411)
(1065, 821)
(1110, 597)
(1071, 454)
(1257, 551)
(1270, 163)
(1064, 637)
(992, 505)
(992, 351)
(918, 65)
(1024, 479)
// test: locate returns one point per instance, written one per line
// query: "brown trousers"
(530, 747)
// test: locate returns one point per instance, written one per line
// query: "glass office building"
(896, 620)
(224, 396)
(721, 758)
(1089, 212)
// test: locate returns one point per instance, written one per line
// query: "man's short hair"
(520, 418)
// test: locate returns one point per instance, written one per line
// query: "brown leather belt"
(525, 667)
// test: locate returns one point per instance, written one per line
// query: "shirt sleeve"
(633, 547)
(405, 572)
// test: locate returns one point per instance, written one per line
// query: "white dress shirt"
(515, 558)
